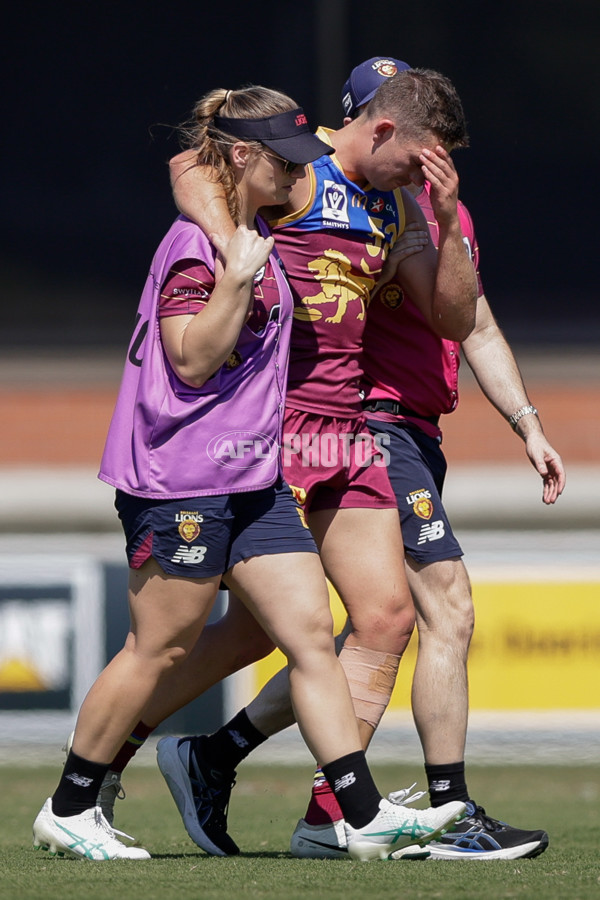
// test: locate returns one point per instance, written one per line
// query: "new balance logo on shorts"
(431, 531)
(189, 555)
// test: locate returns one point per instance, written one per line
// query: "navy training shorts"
(200, 537)
(417, 468)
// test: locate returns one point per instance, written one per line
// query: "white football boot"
(85, 836)
(396, 826)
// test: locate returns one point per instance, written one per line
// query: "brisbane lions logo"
(339, 286)
(423, 508)
(385, 67)
(391, 296)
(421, 503)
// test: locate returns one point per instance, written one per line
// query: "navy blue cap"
(365, 79)
(287, 133)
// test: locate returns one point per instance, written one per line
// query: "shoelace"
(104, 825)
(401, 797)
(219, 797)
(480, 815)
(123, 834)
(115, 786)
(216, 796)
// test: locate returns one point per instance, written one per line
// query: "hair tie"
(227, 95)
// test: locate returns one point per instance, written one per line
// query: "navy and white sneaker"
(478, 836)
(201, 793)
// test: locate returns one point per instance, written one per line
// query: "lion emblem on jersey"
(333, 271)
(392, 296)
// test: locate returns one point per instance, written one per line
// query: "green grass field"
(265, 806)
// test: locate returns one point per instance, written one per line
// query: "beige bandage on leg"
(371, 676)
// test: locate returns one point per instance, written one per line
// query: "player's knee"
(388, 629)
(371, 677)
(310, 638)
(320, 627)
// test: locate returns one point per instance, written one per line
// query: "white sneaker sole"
(523, 851)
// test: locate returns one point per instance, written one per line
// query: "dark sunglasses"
(288, 165)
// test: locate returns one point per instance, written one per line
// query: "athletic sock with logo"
(446, 783)
(136, 739)
(232, 743)
(78, 787)
(323, 807)
(354, 788)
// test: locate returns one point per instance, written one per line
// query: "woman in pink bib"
(194, 453)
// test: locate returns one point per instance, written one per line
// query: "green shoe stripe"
(83, 845)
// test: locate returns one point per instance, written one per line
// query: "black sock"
(352, 783)
(446, 783)
(78, 787)
(232, 743)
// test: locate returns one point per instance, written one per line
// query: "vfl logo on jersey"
(335, 205)
(431, 531)
(189, 556)
(421, 503)
(392, 296)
